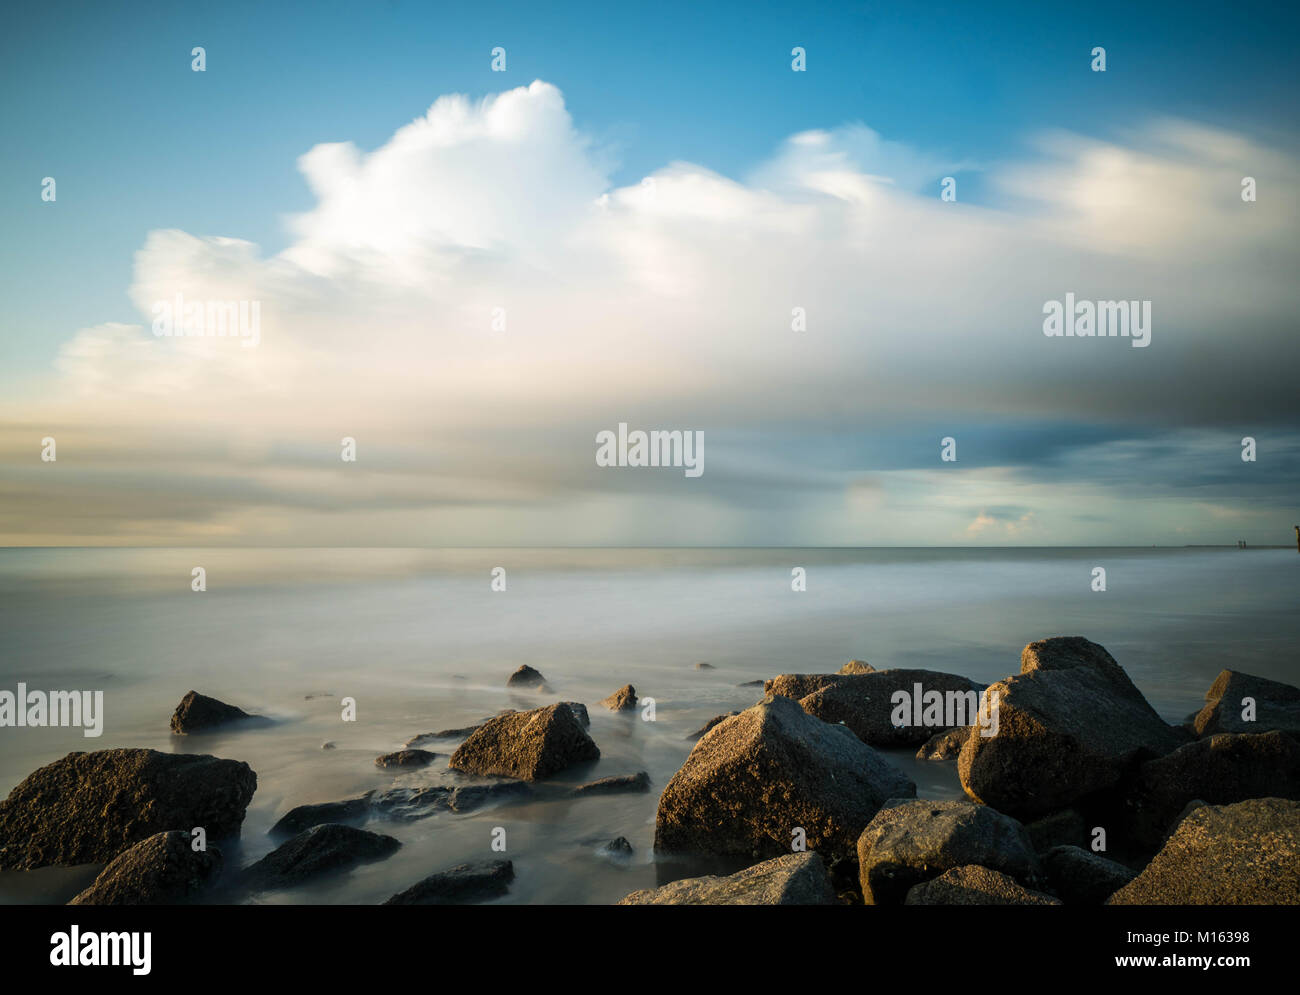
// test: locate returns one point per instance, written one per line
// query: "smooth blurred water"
(422, 642)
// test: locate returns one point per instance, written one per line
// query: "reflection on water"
(420, 640)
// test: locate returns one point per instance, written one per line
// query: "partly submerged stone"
(198, 712)
(164, 869)
(622, 700)
(975, 885)
(305, 816)
(406, 758)
(319, 850)
(527, 678)
(527, 745)
(759, 777)
(793, 879)
(89, 807)
(460, 885)
(620, 784)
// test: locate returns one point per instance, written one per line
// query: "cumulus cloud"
(668, 303)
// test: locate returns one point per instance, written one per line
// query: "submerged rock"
(975, 885)
(527, 745)
(705, 666)
(944, 745)
(616, 849)
(161, 870)
(197, 712)
(759, 775)
(912, 841)
(1082, 877)
(1071, 725)
(527, 678)
(425, 738)
(865, 703)
(623, 783)
(406, 758)
(324, 848)
(1242, 854)
(305, 816)
(710, 724)
(1277, 706)
(419, 802)
(469, 797)
(89, 807)
(793, 879)
(462, 884)
(622, 700)
(1219, 770)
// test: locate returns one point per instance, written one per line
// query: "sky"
(472, 273)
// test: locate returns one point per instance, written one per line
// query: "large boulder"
(164, 869)
(1277, 706)
(756, 777)
(527, 745)
(1082, 877)
(318, 850)
(462, 884)
(1068, 726)
(1242, 854)
(89, 807)
(865, 703)
(1219, 770)
(794, 879)
(912, 841)
(975, 885)
(198, 712)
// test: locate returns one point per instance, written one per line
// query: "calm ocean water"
(422, 642)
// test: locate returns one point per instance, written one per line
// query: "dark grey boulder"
(1064, 732)
(407, 803)
(912, 841)
(1217, 770)
(974, 885)
(1277, 706)
(760, 775)
(406, 758)
(461, 885)
(1241, 854)
(865, 704)
(705, 666)
(316, 851)
(305, 816)
(621, 784)
(89, 807)
(164, 869)
(1081, 877)
(197, 712)
(527, 745)
(793, 879)
(944, 745)
(616, 849)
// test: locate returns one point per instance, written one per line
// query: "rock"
(528, 679)
(1242, 854)
(1222, 769)
(89, 807)
(912, 841)
(579, 712)
(1071, 653)
(197, 712)
(705, 666)
(622, 700)
(974, 885)
(793, 879)
(1064, 732)
(1277, 705)
(329, 745)
(527, 745)
(760, 774)
(864, 703)
(469, 797)
(462, 884)
(408, 803)
(710, 724)
(315, 851)
(798, 686)
(617, 849)
(424, 738)
(614, 785)
(1081, 877)
(305, 816)
(944, 745)
(857, 667)
(406, 758)
(161, 870)
(751, 684)
(1063, 828)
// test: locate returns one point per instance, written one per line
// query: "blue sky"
(1047, 153)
